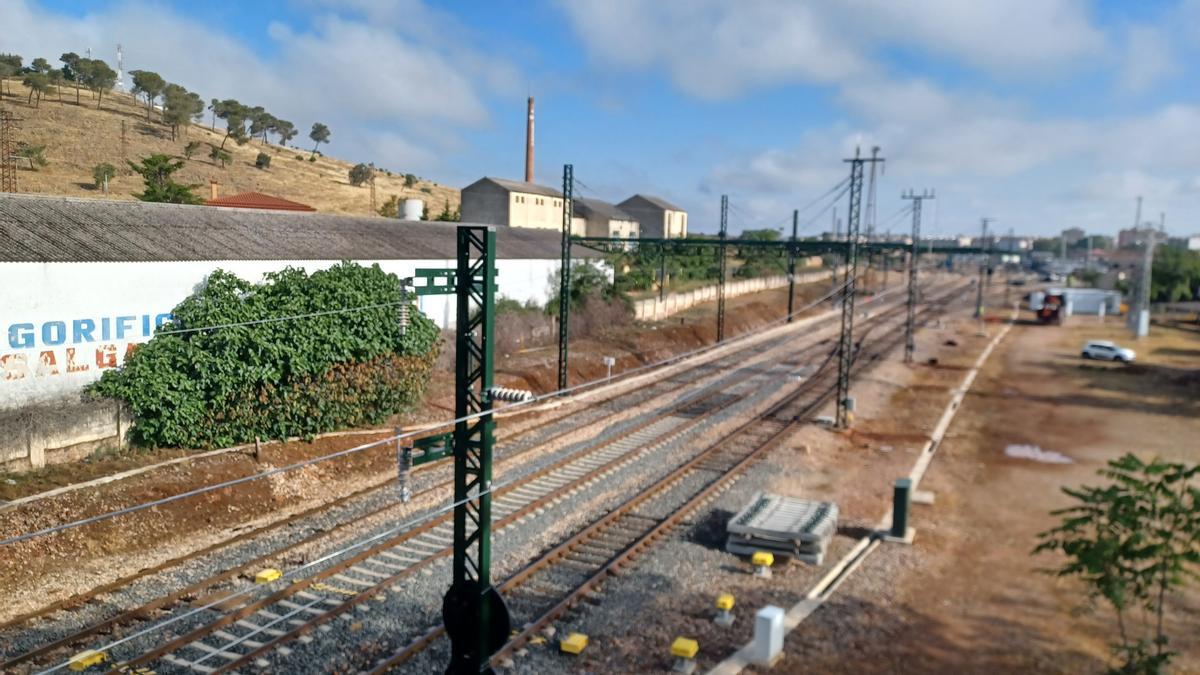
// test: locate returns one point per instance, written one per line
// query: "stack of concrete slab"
(784, 526)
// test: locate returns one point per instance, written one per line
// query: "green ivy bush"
(299, 377)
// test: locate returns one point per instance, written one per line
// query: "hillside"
(78, 137)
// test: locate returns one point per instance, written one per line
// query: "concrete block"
(767, 646)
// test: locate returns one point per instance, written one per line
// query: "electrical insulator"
(508, 395)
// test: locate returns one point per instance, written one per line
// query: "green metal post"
(901, 498)
(564, 280)
(792, 265)
(473, 611)
(721, 266)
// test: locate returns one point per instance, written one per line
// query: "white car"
(1104, 350)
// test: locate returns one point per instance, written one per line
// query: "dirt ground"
(967, 597)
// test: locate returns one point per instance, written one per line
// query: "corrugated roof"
(258, 200)
(657, 201)
(35, 228)
(520, 186)
(586, 207)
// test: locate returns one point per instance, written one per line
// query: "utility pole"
(1012, 247)
(1141, 326)
(564, 275)
(870, 218)
(983, 266)
(721, 267)
(910, 321)
(846, 346)
(792, 265)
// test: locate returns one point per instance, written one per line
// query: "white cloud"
(718, 49)
(390, 96)
(1146, 61)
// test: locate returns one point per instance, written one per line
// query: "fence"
(51, 433)
(653, 309)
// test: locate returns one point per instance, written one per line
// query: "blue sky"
(1044, 114)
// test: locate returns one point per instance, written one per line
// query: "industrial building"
(511, 203)
(1092, 301)
(86, 280)
(598, 218)
(659, 218)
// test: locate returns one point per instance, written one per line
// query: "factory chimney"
(529, 144)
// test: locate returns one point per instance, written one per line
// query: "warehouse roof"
(657, 201)
(35, 228)
(518, 186)
(258, 200)
(597, 207)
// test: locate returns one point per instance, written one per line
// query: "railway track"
(245, 634)
(571, 572)
(529, 438)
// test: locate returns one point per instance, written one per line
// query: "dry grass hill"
(78, 137)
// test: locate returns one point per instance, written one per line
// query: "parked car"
(1104, 350)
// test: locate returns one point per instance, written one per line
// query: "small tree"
(359, 174)
(235, 115)
(447, 215)
(285, 130)
(39, 85)
(98, 77)
(219, 155)
(156, 171)
(34, 153)
(180, 107)
(191, 148)
(10, 64)
(319, 134)
(149, 84)
(263, 161)
(409, 180)
(71, 71)
(1132, 543)
(40, 65)
(390, 208)
(103, 172)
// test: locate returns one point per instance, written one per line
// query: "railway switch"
(684, 650)
(86, 659)
(267, 576)
(762, 561)
(724, 610)
(574, 643)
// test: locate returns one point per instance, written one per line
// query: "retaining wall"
(653, 309)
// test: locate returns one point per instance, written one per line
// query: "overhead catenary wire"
(373, 444)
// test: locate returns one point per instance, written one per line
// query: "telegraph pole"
(564, 275)
(987, 259)
(846, 347)
(1141, 325)
(910, 321)
(792, 265)
(721, 266)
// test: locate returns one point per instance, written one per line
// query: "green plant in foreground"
(1133, 542)
(296, 377)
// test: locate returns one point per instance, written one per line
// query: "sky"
(1040, 114)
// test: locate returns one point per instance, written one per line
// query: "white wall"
(653, 309)
(63, 324)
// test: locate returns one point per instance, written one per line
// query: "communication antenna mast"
(120, 68)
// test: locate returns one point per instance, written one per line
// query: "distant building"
(1071, 236)
(1013, 244)
(1191, 243)
(659, 218)
(1136, 236)
(512, 203)
(598, 218)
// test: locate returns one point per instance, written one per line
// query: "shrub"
(103, 171)
(263, 160)
(191, 148)
(219, 387)
(426, 190)
(359, 174)
(34, 153)
(409, 180)
(219, 155)
(312, 158)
